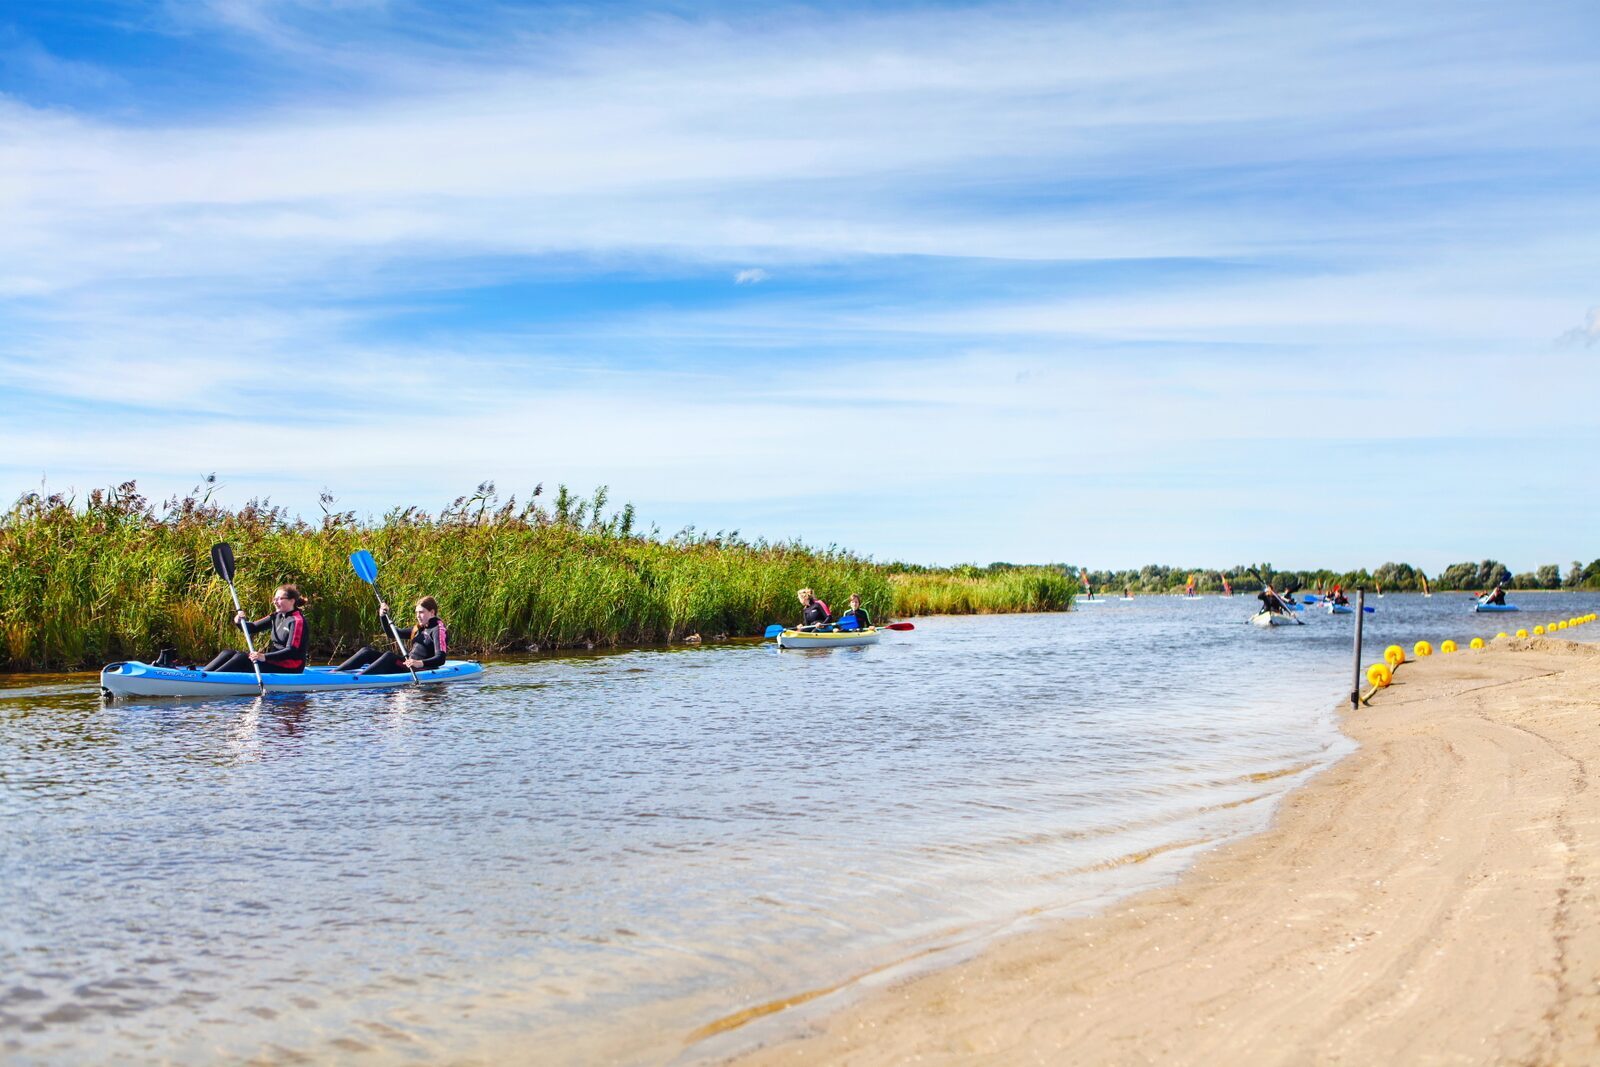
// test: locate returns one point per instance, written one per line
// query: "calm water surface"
(611, 857)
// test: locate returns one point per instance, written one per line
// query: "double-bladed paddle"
(777, 628)
(367, 568)
(222, 563)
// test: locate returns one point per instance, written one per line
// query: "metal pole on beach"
(1355, 685)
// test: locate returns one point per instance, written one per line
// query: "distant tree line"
(1400, 577)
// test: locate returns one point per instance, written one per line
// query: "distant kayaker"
(1127, 593)
(1338, 597)
(286, 648)
(813, 612)
(857, 612)
(1496, 597)
(1271, 601)
(429, 644)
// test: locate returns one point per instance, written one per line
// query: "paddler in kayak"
(813, 612)
(428, 638)
(856, 612)
(286, 649)
(1338, 597)
(1271, 602)
(1496, 597)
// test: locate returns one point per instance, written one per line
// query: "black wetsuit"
(286, 649)
(814, 615)
(1271, 602)
(863, 620)
(1496, 597)
(428, 643)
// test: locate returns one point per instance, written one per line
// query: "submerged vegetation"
(118, 577)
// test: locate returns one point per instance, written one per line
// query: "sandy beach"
(1430, 899)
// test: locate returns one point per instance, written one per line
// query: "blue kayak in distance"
(1493, 608)
(135, 679)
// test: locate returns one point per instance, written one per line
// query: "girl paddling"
(429, 644)
(286, 649)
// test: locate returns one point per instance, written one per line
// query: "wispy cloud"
(1016, 243)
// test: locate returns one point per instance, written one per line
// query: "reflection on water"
(602, 856)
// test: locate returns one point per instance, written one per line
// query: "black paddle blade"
(222, 560)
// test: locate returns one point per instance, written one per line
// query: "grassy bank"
(115, 578)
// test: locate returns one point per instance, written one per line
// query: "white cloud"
(1335, 209)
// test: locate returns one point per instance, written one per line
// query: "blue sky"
(1108, 283)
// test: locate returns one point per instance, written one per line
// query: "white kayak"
(1089, 600)
(1269, 618)
(827, 638)
(135, 679)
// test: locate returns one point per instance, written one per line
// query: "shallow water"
(629, 857)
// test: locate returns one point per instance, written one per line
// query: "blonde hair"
(806, 594)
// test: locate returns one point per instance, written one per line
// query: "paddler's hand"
(238, 616)
(259, 657)
(383, 609)
(413, 663)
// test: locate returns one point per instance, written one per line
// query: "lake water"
(633, 857)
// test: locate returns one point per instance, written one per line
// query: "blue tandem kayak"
(1493, 608)
(135, 679)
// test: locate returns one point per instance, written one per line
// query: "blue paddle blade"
(849, 622)
(774, 630)
(1369, 610)
(365, 565)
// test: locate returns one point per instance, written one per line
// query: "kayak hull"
(1341, 609)
(1495, 609)
(828, 638)
(1267, 618)
(135, 679)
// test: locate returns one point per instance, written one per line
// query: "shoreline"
(1435, 895)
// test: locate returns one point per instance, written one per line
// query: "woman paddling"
(429, 644)
(1271, 602)
(813, 612)
(286, 649)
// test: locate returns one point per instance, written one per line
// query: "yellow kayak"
(827, 638)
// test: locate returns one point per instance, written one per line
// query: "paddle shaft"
(250, 646)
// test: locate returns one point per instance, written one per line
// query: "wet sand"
(1430, 899)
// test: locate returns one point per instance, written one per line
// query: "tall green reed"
(115, 577)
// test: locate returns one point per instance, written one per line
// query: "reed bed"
(986, 593)
(116, 579)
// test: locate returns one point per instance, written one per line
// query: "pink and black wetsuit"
(286, 649)
(429, 644)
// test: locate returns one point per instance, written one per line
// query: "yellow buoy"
(1501, 636)
(1477, 642)
(1538, 631)
(1522, 633)
(1379, 676)
(1421, 649)
(1447, 647)
(1394, 655)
